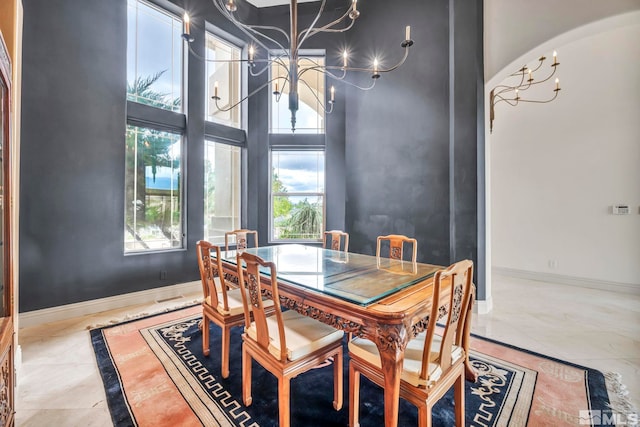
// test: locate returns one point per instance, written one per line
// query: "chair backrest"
(252, 295)
(457, 280)
(241, 239)
(336, 241)
(209, 270)
(396, 246)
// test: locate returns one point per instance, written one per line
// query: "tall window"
(154, 56)
(153, 169)
(311, 90)
(226, 75)
(153, 190)
(221, 190)
(297, 195)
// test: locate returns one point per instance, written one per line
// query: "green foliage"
(140, 91)
(305, 222)
(281, 205)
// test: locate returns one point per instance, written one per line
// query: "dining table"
(387, 301)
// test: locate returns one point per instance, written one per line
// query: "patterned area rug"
(154, 374)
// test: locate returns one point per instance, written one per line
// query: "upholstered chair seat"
(367, 350)
(303, 335)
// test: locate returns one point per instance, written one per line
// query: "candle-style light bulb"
(251, 53)
(333, 93)
(530, 76)
(375, 66)
(517, 95)
(215, 89)
(186, 20)
(555, 57)
(557, 83)
(344, 58)
(407, 33)
(231, 6)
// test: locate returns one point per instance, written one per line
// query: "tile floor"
(59, 384)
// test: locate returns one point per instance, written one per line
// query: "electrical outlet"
(620, 209)
(163, 275)
(553, 263)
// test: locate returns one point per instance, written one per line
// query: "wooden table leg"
(391, 348)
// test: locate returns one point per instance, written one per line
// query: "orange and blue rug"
(154, 374)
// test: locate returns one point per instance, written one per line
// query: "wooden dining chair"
(241, 236)
(396, 246)
(285, 344)
(432, 362)
(221, 304)
(337, 239)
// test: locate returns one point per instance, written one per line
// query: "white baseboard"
(63, 312)
(627, 288)
(483, 306)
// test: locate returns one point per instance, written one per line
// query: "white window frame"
(272, 195)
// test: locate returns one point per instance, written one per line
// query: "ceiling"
(267, 3)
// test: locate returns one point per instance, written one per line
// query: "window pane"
(153, 190)
(311, 90)
(299, 171)
(297, 195)
(154, 56)
(221, 190)
(227, 75)
(297, 217)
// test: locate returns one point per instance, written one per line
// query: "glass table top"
(357, 278)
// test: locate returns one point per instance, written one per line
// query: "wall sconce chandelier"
(512, 94)
(285, 50)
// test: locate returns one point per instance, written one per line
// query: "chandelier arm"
(303, 35)
(333, 30)
(541, 59)
(327, 28)
(262, 86)
(248, 29)
(534, 101)
(507, 100)
(522, 87)
(548, 77)
(255, 28)
(267, 63)
(347, 82)
(360, 69)
(317, 98)
(325, 70)
(404, 58)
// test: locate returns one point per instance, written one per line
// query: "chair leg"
(337, 381)
(423, 416)
(246, 377)
(226, 338)
(284, 394)
(354, 396)
(459, 400)
(205, 335)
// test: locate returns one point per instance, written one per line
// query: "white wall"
(557, 168)
(513, 27)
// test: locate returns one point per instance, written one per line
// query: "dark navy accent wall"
(72, 162)
(389, 151)
(412, 142)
